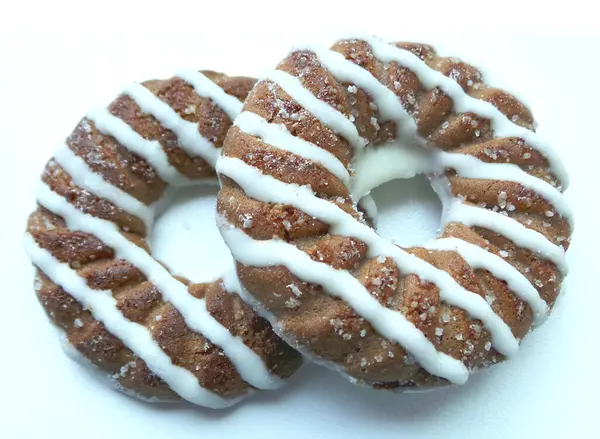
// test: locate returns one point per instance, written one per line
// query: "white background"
(58, 60)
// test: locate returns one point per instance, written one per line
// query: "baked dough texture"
(151, 334)
(325, 127)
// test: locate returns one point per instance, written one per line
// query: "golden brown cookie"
(155, 335)
(324, 128)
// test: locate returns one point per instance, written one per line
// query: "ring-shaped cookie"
(324, 128)
(151, 333)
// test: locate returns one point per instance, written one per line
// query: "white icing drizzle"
(390, 108)
(248, 364)
(149, 150)
(268, 189)
(479, 258)
(470, 167)
(410, 160)
(367, 203)
(387, 102)
(403, 159)
(341, 283)
(190, 139)
(135, 336)
(84, 177)
(232, 283)
(230, 280)
(511, 229)
(464, 103)
(205, 88)
(321, 110)
(277, 136)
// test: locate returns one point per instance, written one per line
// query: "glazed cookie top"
(319, 133)
(153, 333)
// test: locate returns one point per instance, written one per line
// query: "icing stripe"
(278, 136)
(390, 108)
(135, 336)
(509, 228)
(367, 203)
(190, 139)
(470, 167)
(342, 284)
(248, 364)
(463, 103)
(408, 162)
(232, 285)
(479, 258)
(328, 115)
(388, 104)
(85, 177)
(205, 88)
(268, 189)
(149, 150)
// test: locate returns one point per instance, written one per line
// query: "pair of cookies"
(297, 154)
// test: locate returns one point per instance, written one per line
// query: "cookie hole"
(409, 211)
(185, 236)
